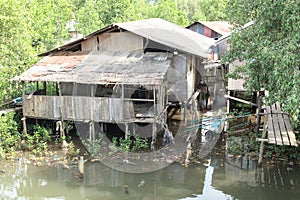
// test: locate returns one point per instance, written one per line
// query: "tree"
(16, 51)
(269, 48)
(168, 10)
(111, 11)
(88, 18)
(203, 10)
(48, 20)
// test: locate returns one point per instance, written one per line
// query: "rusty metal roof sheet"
(221, 27)
(100, 68)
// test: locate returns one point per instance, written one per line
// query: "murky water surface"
(218, 177)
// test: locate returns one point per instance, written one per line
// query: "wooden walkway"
(279, 128)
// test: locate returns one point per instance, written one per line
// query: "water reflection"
(220, 178)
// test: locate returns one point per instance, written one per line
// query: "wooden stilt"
(228, 102)
(257, 113)
(92, 123)
(66, 126)
(261, 149)
(24, 125)
(126, 130)
(154, 135)
(133, 129)
(101, 128)
(62, 133)
(45, 87)
(228, 111)
(92, 130)
(81, 165)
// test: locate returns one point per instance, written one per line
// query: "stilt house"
(125, 74)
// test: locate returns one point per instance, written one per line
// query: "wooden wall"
(83, 108)
(78, 108)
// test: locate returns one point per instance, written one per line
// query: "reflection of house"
(242, 178)
(125, 73)
(171, 182)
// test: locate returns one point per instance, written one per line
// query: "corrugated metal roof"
(220, 27)
(100, 68)
(171, 35)
(160, 31)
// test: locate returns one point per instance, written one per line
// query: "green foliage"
(139, 143)
(168, 10)
(72, 151)
(94, 146)
(48, 20)
(88, 18)
(269, 49)
(9, 135)
(37, 139)
(203, 10)
(127, 145)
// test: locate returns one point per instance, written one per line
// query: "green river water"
(216, 177)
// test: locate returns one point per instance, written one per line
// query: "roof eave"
(66, 46)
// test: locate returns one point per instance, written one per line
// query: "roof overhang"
(97, 67)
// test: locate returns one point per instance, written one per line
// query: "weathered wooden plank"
(288, 128)
(290, 132)
(50, 107)
(115, 110)
(128, 110)
(276, 125)
(101, 105)
(271, 134)
(283, 131)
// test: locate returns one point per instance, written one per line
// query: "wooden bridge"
(280, 131)
(277, 127)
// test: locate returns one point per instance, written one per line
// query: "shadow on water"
(216, 177)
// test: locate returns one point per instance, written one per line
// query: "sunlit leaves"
(270, 48)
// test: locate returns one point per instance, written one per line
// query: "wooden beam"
(240, 100)
(92, 124)
(61, 110)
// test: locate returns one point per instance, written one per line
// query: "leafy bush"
(9, 135)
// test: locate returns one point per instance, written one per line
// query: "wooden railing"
(78, 108)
